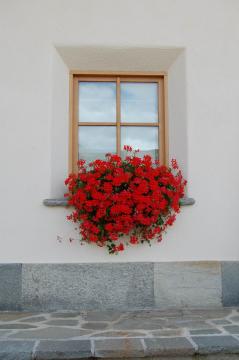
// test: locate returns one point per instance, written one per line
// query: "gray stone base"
(121, 286)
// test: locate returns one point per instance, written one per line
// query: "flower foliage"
(114, 197)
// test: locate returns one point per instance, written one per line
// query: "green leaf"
(160, 221)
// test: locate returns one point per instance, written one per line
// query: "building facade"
(195, 44)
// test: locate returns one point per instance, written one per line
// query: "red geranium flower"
(134, 196)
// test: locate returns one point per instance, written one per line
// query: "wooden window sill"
(63, 202)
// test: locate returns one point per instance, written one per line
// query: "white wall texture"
(195, 40)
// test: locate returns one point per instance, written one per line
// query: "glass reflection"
(97, 101)
(139, 102)
(95, 141)
(139, 137)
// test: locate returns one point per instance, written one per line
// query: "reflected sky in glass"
(97, 101)
(139, 137)
(95, 141)
(139, 102)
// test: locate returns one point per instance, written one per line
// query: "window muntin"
(110, 111)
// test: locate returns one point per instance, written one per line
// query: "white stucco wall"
(203, 97)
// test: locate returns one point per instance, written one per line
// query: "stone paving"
(177, 334)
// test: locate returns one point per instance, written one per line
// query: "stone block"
(13, 316)
(34, 319)
(216, 344)
(95, 325)
(50, 333)
(10, 286)
(230, 283)
(62, 322)
(139, 324)
(87, 286)
(168, 332)
(96, 315)
(16, 350)
(191, 325)
(70, 349)
(235, 318)
(118, 348)
(119, 334)
(205, 332)
(168, 347)
(64, 315)
(187, 284)
(232, 329)
(207, 313)
(17, 326)
(221, 322)
(4, 332)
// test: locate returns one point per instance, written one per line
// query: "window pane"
(139, 102)
(143, 138)
(95, 141)
(97, 101)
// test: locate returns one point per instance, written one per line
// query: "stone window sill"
(63, 202)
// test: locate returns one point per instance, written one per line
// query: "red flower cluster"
(116, 197)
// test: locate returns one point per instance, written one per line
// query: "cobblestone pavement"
(111, 334)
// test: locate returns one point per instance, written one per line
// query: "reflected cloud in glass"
(96, 141)
(139, 102)
(97, 101)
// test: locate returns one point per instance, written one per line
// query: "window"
(112, 110)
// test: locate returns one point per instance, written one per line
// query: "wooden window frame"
(162, 124)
